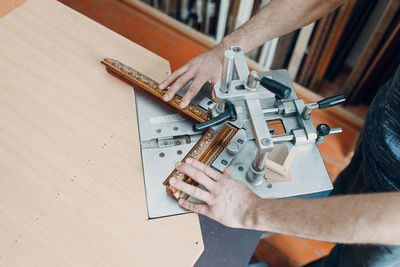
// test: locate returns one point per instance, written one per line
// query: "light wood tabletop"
(71, 184)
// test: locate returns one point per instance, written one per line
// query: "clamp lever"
(324, 103)
(331, 101)
(280, 90)
(228, 115)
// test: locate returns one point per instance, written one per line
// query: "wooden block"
(279, 162)
(72, 191)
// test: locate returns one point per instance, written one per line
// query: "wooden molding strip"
(147, 85)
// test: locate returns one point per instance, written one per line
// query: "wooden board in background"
(371, 48)
(381, 68)
(340, 19)
(356, 22)
(316, 39)
(71, 185)
(284, 50)
(299, 49)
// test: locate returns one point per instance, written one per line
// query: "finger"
(213, 96)
(191, 92)
(226, 171)
(210, 172)
(191, 190)
(195, 207)
(196, 174)
(177, 85)
(172, 77)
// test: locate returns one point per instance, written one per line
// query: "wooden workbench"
(71, 185)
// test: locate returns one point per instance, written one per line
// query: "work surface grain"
(71, 185)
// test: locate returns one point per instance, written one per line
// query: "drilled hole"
(237, 49)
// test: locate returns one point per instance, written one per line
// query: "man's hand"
(204, 68)
(273, 20)
(362, 218)
(226, 200)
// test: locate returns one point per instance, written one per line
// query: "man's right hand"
(225, 200)
(204, 68)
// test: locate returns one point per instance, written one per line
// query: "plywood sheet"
(71, 185)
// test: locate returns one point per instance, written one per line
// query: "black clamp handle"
(331, 101)
(228, 115)
(280, 90)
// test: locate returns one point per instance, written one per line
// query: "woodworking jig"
(231, 132)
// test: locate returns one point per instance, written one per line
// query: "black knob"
(228, 115)
(331, 101)
(279, 89)
(323, 129)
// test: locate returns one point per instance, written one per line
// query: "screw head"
(266, 141)
(232, 148)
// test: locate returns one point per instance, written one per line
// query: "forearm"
(275, 19)
(366, 218)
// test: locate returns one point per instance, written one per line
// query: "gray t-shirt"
(375, 167)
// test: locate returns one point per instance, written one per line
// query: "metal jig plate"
(158, 125)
